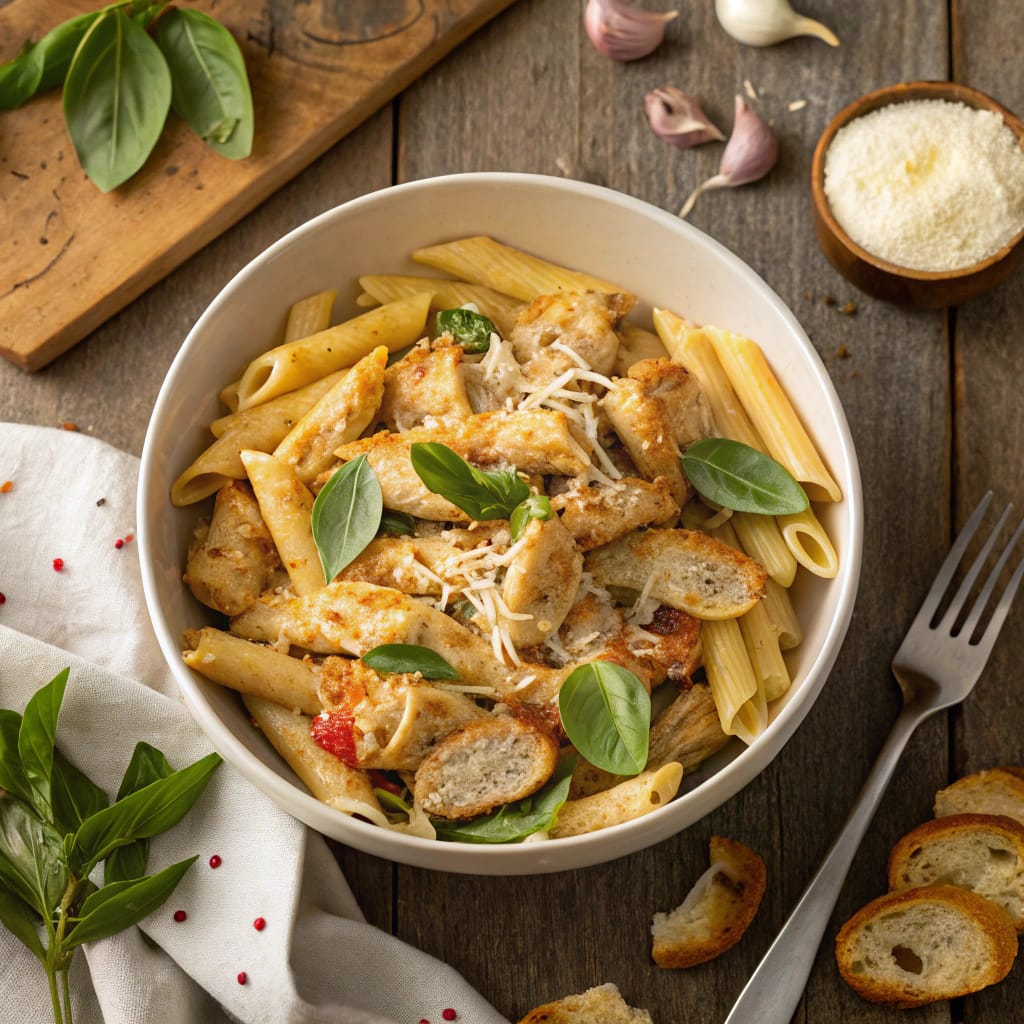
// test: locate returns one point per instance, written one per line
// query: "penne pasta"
(484, 261)
(309, 316)
(810, 544)
(784, 620)
(630, 799)
(254, 670)
(500, 308)
(291, 365)
(772, 414)
(286, 506)
(738, 694)
(261, 429)
(635, 344)
(761, 538)
(229, 396)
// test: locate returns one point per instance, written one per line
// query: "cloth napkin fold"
(317, 960)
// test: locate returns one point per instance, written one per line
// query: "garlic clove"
(765, 22)
(678, 118)
(751, 152)
(623, 31)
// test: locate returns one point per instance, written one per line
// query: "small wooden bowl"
(884, 280)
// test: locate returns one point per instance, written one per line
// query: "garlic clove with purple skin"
(678, 118)
(751, 152)
(623, 31)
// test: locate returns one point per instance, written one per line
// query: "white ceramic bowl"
(665, 262)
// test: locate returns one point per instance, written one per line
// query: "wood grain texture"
(77, 256)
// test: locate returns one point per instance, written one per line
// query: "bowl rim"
(522, 858)
(907, 92)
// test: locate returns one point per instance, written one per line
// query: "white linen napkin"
(316, 960)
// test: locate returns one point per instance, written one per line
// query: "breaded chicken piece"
(425, 382)
(686, 409)
(599, 515)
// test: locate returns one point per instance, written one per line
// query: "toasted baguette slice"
(997, 791)
(716, 911)
(486, 763)
(922, 945)
(980, 852)
(602, 1004)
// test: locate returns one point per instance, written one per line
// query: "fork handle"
(773, 992)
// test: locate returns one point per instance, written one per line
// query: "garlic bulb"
(677, 118)
(622, 31)
(750, 153)
(764, 22)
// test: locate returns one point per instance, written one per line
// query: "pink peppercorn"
(259, 924)
(449, 1014)
(58, 564)
(215, 861)
(242, 977)
(118, 543)
(180, 915)
(2, 599)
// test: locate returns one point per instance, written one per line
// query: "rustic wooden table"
(933, 400)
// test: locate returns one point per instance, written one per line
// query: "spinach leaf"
(346, 515)
(31, 857)
(140, 815)
(73, 795)
(739, 477)
(119, 905)
(21, 921)
(409, 658)
(210, 87)
(536, 506)
(37, 736)
(116, 97)
(398, 524)
(606, 713)
(12, 775)
(471, 330)
(481, 495)
(514, 822)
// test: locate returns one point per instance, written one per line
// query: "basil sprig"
(606, 713)
(120, 83)
(536, 506)
(471, 330)
(512, 823)
(56, 825)
(346, 515)
(736, 476)
(409, 658)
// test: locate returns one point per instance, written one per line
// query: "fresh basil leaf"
(147, 765)
(119, 905)
(398, 524)
(481, 495)
(346, 515)
(739, 477)
(73, 795)
(536, 506)
(392, 802)
(140, 815)
(116, 97)
(21, 921)
(20, 78)
(514, 822)
(57, 48)
(12, 775)
(37, 737)
(471, 330)
(31, 857)
(409, 658)
(606, 713)
(210, 86)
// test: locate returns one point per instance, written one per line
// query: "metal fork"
(936, 667)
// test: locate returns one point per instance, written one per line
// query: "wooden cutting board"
(70, 257)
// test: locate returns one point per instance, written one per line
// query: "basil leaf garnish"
(514, 822)
(73, 795)
(116, 97)
(210, 88)
(739, 477)
(31, 857)
(346, 515)
(20, 78)
(398, 524)
(391, 802)
(471, 330)
(12, 775)
(19, 918)
(606, 713)
(37, 736)
(409, 658)
(536, 506)
(480, 494)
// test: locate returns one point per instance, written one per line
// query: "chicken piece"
(599, 515)
(495, 380)
(685, 407)
(684, 569)
(687, 731)
(584, 323)
(231, 559)
(398, 718)
(353, 618)
(426, 382)
(541, 581)
(676, 648)
(635, 344)
(644, 428)
(536, 441)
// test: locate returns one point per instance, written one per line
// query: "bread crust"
(991, 921)
(602, 1004)
(994, 791)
